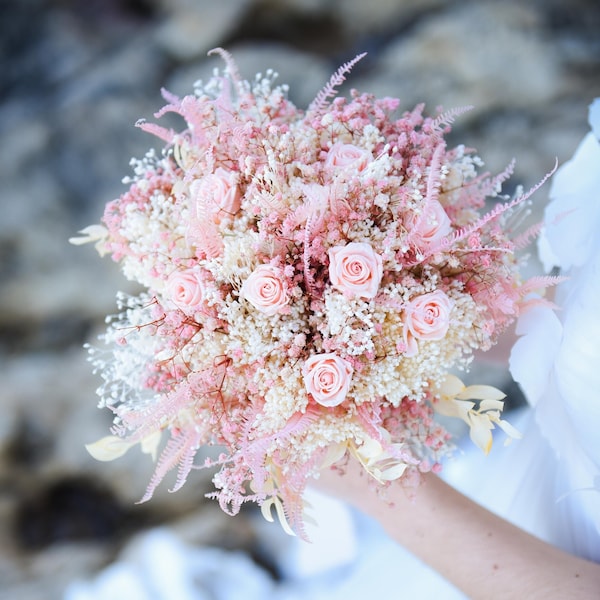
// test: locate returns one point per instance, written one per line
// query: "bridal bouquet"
(311, 278)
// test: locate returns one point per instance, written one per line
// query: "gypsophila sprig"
(311, 280)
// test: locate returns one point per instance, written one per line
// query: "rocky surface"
(77, 75)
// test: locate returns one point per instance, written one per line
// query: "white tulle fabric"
(557, 359)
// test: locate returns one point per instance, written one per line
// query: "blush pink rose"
(355, 269)
(327, 378)
(346, 156)
(217, 195)
(427, 317)
(265, 289)
(432, 226)
(186, 289)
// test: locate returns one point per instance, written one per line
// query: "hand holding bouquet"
(312, 277)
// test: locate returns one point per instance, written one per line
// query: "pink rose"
(432, 225)
(427, 317)
(355, 269)
(216, 194)
(327, 378)
(186, 289)
(265, 289)
(347, 155)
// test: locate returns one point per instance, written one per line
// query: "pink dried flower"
(355, 269)
(427, 317)
(347, 156)
(431, 226)
(186, 289)
(216, 194)
(327, 378)
(265, 289)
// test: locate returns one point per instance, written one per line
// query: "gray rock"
(488, 55)
(381, 16)
(195, 26)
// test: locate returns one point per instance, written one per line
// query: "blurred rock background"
(75, 76)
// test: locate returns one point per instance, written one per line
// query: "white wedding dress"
(547, 483)
(557, 363)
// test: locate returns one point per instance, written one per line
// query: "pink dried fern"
(179, 452)
(464, 232)
(320, 103)
(443, 121)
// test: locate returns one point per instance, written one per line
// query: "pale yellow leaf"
(149, 444)
(480, 433)
(108, 448)
(511, 431)
(335, 452)
(481, 392)
(265, 509)
(92, 233)
(447, 407)
(369, 449)
(464, 408)
(281, 517)
(393, 473)
(451, 386)
(486, 405)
